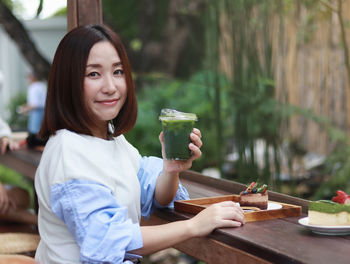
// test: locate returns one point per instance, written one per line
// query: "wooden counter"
(281, 240)
(272, 241)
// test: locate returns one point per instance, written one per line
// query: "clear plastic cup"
(177, 127)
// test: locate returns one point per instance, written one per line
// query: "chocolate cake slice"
(254, 196)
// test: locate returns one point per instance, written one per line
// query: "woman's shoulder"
(121, 140)
(63, 136)
(70, 150)
(66, 139)
(127, 148)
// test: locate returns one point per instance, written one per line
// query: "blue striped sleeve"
(150, 169)
(99, 225)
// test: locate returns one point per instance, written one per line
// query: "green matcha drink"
(177, 127)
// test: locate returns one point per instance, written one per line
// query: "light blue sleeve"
(150, 169)
(94, 218)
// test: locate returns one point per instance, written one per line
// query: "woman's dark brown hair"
(65, 107)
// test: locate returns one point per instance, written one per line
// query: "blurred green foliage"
(124, 17)
(337, 165)
(60, 12)
(233, 111)
(144, 22)
(17, 122)
(337, 168)
(252, 89)
(8, 176)
(193, 95)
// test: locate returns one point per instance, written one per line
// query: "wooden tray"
(194, 206)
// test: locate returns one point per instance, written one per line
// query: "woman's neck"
(100, 132)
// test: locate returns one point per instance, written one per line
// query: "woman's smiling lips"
(109, 102)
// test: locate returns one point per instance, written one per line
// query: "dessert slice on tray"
(253, 200)
(254, 196)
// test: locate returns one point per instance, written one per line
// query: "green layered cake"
(329, 213)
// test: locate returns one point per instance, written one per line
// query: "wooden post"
(83, 12)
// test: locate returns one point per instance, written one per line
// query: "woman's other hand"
(223, 214)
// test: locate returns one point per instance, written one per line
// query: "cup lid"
(171, 114)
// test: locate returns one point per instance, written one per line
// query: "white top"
(91, 195)
(5, 130)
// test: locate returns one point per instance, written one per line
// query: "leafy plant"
(253, 114)
(17, 121)
(194, 96)
(8, 176)
(337, 167)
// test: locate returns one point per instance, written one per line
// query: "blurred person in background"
(36, 97)
(14, 201)
(5, 138)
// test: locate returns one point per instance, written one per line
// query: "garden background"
(268, 79)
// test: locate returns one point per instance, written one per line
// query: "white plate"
(270, 206)
(273, 206)
(325, 230)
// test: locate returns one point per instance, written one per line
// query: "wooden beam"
(83, 12)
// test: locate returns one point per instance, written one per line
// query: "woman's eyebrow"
(97, 65)
(94, 65)
(119, 63)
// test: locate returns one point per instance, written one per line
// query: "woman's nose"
(109, 85)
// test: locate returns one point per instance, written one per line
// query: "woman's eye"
(119, 72)
(93, 74)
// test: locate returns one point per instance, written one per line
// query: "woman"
(92, 185)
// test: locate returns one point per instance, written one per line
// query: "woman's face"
(105, 88)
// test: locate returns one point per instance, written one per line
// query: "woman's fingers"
(236, 214)
(232, 211)
(224, 214)
(196, 137)
(196, 144)
(229, 203)
(231, 223)
(197, 132)
(196, 152)
(161, 136)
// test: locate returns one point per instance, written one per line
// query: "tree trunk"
(164, 55)
(20, 36)
(151, 50)
(176, 31)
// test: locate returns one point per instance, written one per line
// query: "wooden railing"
(281, 240)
